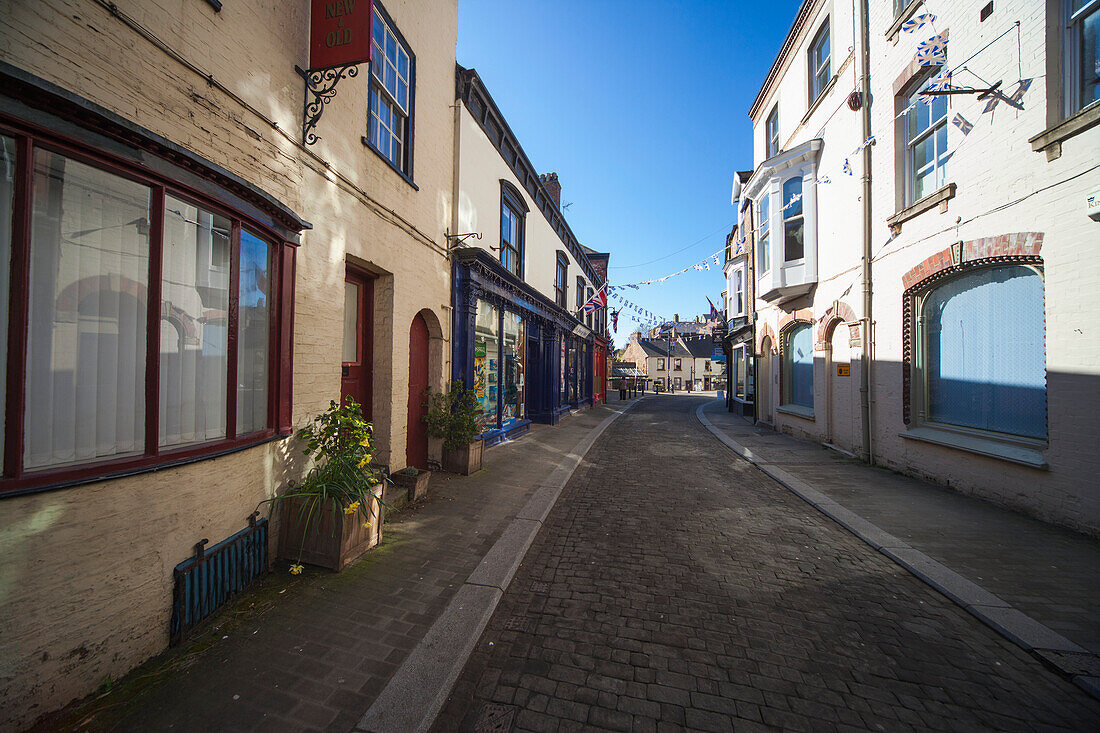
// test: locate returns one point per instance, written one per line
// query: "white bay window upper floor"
(784, 196)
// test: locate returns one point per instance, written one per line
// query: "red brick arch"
(761, 332)
(840, 313)
(1005, 245)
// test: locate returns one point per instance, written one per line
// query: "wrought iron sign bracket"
(320, 89)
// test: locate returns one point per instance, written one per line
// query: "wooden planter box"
(417, 485)
(464, 460)
(331, 541)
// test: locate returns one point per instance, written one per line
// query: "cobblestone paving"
(675, 586)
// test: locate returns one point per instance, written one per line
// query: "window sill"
(806, 413)
(1050, 140)
(76, 475)
(990, 447)
(904, 15)
(919, 207)
(367, 143)
(820, 97)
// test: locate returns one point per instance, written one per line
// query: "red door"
(357, 375)
(416, 443)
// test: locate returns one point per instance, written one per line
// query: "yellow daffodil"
(366, 524)
(295, 569)
(351, 508)
(365, 441)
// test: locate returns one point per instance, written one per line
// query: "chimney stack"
(675, 317)
(550, 181)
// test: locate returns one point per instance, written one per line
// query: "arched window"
(798, 366)
(983, 339)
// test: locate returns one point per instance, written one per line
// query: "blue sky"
(642, 110)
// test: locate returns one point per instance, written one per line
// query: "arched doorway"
(841, 377)
(764, 383)
(416, 443)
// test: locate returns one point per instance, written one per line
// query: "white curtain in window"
(986, 341)
(85, 387)
(253, 333)
(7, 193)
(194, 313)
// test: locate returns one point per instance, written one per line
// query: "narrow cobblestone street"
(676, 586)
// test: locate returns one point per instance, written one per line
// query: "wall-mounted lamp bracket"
(454, 240)
(321, 84)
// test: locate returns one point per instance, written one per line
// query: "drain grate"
(540, 587)
(495, 718)
(518, 623)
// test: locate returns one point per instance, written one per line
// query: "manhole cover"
(495, 717)
(540, 587)
(517, 623)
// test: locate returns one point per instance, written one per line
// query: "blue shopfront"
(528, 359)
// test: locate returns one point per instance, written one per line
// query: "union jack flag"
(597, 301)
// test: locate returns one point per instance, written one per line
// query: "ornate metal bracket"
(321, 83)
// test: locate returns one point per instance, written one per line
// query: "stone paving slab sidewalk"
(1035, 583)
(312, 652)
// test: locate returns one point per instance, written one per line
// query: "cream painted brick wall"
(85, 587)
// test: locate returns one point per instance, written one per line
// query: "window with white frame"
(771, 131)
(979, 370)
(763, 257)
(925, 144)
(819, 57)
(1081, 54)
(679, 366)
(793, 224)
(798, 366)
(661, 364)
(390, 97)
(738, 292)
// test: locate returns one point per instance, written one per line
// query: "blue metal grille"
(206, 581)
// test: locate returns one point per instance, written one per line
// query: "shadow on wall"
(986, 404)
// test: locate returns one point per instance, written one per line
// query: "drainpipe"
(864, 62)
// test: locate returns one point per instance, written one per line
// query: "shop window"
(771, 130)
(926, 151)
(819, 57)
(134, 290)
(563, 382)
(977, 369)
(391, 82)
(513, 404)
(798, 366)
(487, 363)
(1081, 54)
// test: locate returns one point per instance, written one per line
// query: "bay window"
(149, 328)
(763, 257)
(793, 225)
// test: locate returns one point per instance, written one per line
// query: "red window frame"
(14, 479)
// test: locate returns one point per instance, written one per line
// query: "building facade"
(963, 296)
(520, 280)
(189, 282)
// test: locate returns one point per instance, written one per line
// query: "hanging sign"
(339, 33)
